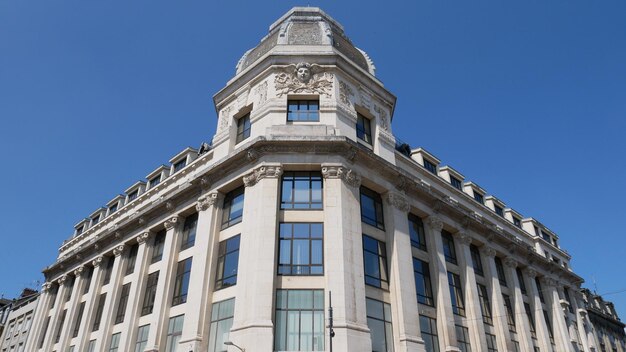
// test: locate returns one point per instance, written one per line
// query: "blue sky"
(527, 99)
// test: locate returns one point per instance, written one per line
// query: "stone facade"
(18, 320)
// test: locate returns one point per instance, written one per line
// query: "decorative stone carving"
(382, 115)
(304, 78)
(117, 251)
(169, 205)
(403, 183)
(261, 92)
(62, 279)
(224, 118)
(242, 99)
(208, 200)
(96, 262)
(398, 201)
(79, 271)
(118, 235)
(252, 154)
(45, 287)
(142, 220)
(548, 282)
(350, 154)
(265, 171)
(463, 237)
(435, 223)
(366, 97)
(488, 251)
(345, 92)
(171, 222)
(386, 137)
(510, 262)
(350, 177)
(141, 239)
(531, 273)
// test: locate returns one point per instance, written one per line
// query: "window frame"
(310, 239)
(243, 128)
(181, 281)
(462, 338)
(307, 112)
(314, 177)
(314, 311)
(216, 320)
(448, 243)
(387, 321)
(456, 183)
(223, 253)
(417, 233)
(456, 294)
(432, 337)
(188, 235)
(173, 337)
(157, 247)
(379, 219)
(227, 215)
(477, 262)
(381, 255)
(364, 128)
(140, 345)
(426, 298)
(430, 166)
(150, 293)
(122, 303)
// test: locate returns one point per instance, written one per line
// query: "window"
(549, 324)
(372, 208)
(154, 181)
(510, 315)
(115, 342)
(301, 249)
(520, 278)
(107, 270)
(221, 321)
(79, 318)
(531, 321)
(60, 326)
(485, 306)
(448, 247)
(243, 128)
(232, 212)
(44, 330)
(189, 232)
(379, 322)
(88, 279)
(121, 307)
(456, 183)
(500, 270)
(301, 190)
(491, 343)
(428, 327)
(92, 346)
(416, 232)
(132, 258)
(479, 197)
(375, 262)
(148, 298)
(423, 286)
(517, 222)
(179, 165)
(70, 288)
(545, 236)
(227, 263)
(133, 195)
(539, 290)
(456, 294)
(80, 229)
(99, 309)
(69, 349)
(95, 220)
(363, 129)
(476, 261)
(516, 346)
(569, 301)
(157, 247)
(174, 331)
(53, 295)
(303, 110)
(430, 166)
(142, 338)
(181, 283)
(112, 208)
(299, 320)
(462, 337)
(499, 210)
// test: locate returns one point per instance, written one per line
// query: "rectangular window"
(375, 262)
(132, 258)
(379, 322)
(545, 236)
(432, 168)
(423, 285)
(476, 261)
(69, 349)
(99, 309)
(516, 347)
(88, 279)
(531, 321)
(456, 183)
(133, 195)
(115, 342)
(44, 331)
(222, 314)
(485, 306)
(428, 328)
(416, 232)
(372, 208)
(70, 288)
(520, 278)
(479, 197)
(510, 315)
(189, 232)
(491, 343)
(500, 270)
(142, 338)
(174, 331)
(154, 181)
(299, 320)
(539, 290)
(79, 318)
(301, 249)
(157, 247)
(179, 165)
(499, 210)
(462, 337)
(95, 220)
(232, 212)
(92, 346)
(243, 128)
(301, 190)
(227, 263)
(53, 295)
(456, 294)
(449, 252)
(112, 208)
(303, 110)
(517, 222)
(148, 298)
(181, 283)
(363, 129)
(107, 270)
(549, 325)
(568, 300)
(121, 307)
(60, 326)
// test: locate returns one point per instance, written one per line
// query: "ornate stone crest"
(345, 92)
(224, 116)
(304, 78)
(382, 115)
(261, 91)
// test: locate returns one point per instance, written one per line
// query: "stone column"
(475, 326)
(39, 317)
(580, 314)
(558, 308)
(521, 322)
(498, 311)
(445, 317)
(201, 282)
(54, 314)
(138, 284)
(402, 289)
(110, 306)
(163, 299)
(90, 305)
(543, 335)
(254, 307)
(343, 258)
(77, 293)
(585, 328)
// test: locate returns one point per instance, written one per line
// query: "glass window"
(142, 338)
(375, 262)
(70, 288)
(568, 300)
(499, 210)
(174, 331)
(485, 306)
(112, 208)
(520, 278)
(301, 190)
(299, 320)
(430, 166)
(179, 165)
(479, 197)
(545, 236)
(157, 248)
(132, 258)
(121, 307)
(539, 290)
(549, 325)
(456, 183)
(301, 249)
(69, 349)
(422, 282)
(222, 314)
(531, 321)
(379, 322)
(60, 326)
(189, 232)
(449, 251)
(95, 219)
(363, 129)
(510, 315)
(44, 330)
(500, 270)
(148, 298)
(462, 337)
(107, 270)
(517, 222)
(491, 343)
(243, 128)
(416, 232)
(79, 318)
(133, 195)
(428, 327)
(88, 279)
(181, 283)
(372, 208)
(99, 309)
(53, 295)
(232, 212)
(92, 346)
(303, 110)
(456, 294)
(476, 261)
(227, 263)
(115, 342)
(154, 181)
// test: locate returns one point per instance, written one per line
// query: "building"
(5, 308)
(303, 192)
(608, 329)
(19, 318)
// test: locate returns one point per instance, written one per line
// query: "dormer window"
(456, 183)
(363, 129)
(517, 222)
(499, 210)
(243, 128)
(112, 208)
(95, 220)
(479, 197)
(179, 165)
(154, 181)
(430, 166)
(303, 110)
(80, 229)
(133, 195)
(546, 237)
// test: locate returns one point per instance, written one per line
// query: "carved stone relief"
(304, 78)
(261, 92)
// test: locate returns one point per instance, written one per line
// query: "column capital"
(349, 176)
(531, 273)
(45, 287)
(261, 172)
(548, 282)
(488, 251)
(397, 201)
(79, 271)
(62, 279)
(171, 222)
(463, 237)
(96, 262)
(208, 200)
(144, 237)
(510, 262)
(117, 251)
(435, 223)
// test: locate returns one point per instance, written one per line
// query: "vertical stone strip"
(521, 322)
(110, 306)
(558, 309)
(90, 305)
(543, 336)
(39, 317)
(77, 293)
(54, 315)
(498, 311)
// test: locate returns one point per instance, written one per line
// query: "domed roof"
(307, 26)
